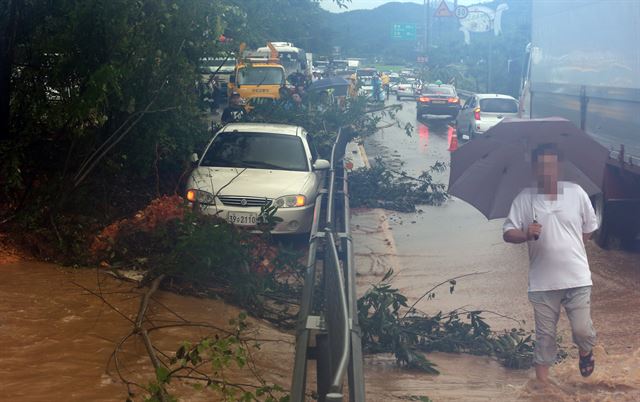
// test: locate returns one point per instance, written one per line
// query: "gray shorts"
(546, 308)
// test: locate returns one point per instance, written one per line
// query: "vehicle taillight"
(476, 114)
(453, 100)
(424, 99)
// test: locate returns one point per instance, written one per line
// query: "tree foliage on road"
(390, 325)
(383, 187)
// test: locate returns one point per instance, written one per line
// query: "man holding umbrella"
(513, 171)
(555, 219)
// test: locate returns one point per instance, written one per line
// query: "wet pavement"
(438, 243)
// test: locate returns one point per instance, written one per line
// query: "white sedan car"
(483, 111)
(408, 88)
(247, 166)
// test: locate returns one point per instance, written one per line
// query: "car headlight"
(290, 201)
(201, 196)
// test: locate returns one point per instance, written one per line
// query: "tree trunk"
(8, 28)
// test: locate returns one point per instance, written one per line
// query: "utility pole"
(490, 65)
(425, 40)
(427, 25)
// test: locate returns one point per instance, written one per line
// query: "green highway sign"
(403, 31)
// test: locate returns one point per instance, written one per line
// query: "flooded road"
(56, 338)
(443, 242)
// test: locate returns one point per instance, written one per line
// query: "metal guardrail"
(333, 318)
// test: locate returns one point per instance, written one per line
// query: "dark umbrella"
(338, 84)
(490, 171)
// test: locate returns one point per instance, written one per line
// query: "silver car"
(483, 111)
(247, 166)
(408, 88)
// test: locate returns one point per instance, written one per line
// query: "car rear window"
(258, 151)
(498, 106)
(437, 90)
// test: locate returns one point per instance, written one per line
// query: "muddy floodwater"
(56, 337)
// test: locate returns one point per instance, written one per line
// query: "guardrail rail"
(328, 330)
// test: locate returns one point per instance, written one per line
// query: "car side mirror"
(321, 164)
(194, 158)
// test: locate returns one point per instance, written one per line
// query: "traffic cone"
(453, 145)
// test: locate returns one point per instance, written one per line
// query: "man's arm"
(515, 236)
(518, 236)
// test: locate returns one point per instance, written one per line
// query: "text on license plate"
(439, 101)
(242, 218)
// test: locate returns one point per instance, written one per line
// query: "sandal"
(587, 364)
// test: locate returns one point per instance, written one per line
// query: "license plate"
(465, 137)
(242, 218)
(439, 102)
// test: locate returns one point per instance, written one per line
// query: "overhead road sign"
(404, 31)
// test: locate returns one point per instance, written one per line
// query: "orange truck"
(257, 78)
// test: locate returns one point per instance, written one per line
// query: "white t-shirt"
(557, 260)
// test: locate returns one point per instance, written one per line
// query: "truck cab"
(258, 78)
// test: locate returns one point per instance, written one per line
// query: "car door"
(318, 176)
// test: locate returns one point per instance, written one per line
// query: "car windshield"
(366, 81)
(438, 90)
(261, 76)
(257, 151)
(499, 106)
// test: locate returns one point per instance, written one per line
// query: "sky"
(364, 4)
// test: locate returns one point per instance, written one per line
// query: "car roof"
(285, 129)
(498, 96)
(433, 84)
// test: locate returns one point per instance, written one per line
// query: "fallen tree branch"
(437, 286)
(142, 331)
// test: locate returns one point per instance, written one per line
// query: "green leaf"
(162, 374)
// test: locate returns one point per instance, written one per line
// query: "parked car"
(483, 111)
(247, 166)
(438, 99)
(407, 88)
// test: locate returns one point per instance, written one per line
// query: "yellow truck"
(257, 78)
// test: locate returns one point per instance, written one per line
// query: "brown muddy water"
(56, 339)
(424, 249)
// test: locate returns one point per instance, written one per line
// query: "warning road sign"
(443, 10)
